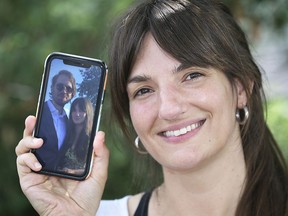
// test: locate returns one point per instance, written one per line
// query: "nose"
(65, 90)
(172, 104)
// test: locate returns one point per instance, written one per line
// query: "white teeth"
(193, 127)
(177, 133)
(182, 130)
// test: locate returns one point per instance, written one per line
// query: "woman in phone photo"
(185, 86)
(73, 156)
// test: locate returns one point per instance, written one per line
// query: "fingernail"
(37, 165)
(36, 141)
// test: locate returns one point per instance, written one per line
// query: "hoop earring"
(138, 148)
(242, 115)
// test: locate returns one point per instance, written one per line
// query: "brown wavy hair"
(204, 33)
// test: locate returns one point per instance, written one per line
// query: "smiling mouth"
(184, 130)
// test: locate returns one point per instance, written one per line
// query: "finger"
(101, 159)
(26, 163)
(29, 125)
(28, 143)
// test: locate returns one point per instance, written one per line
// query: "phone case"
(68, 114)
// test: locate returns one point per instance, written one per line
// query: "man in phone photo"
(54, 119)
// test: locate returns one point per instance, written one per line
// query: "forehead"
(152, 57)
(63, 79)
(76, 106)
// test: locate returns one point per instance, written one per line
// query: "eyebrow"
(181, 67)
(143, 78)
(138, 79)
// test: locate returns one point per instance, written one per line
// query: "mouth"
(63, 95)
(184, 130)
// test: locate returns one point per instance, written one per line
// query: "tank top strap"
(142, 209)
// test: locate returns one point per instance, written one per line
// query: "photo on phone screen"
(68, 114)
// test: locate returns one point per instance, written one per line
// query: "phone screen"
(68, 114)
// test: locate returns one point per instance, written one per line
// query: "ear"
(242, 96)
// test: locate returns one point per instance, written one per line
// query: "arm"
(56, 196)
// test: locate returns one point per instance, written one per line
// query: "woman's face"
(78, 115)
(184, 117)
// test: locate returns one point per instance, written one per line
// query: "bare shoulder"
(133, 203)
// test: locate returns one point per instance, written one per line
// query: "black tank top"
(142, 209)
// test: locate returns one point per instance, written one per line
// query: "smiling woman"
(183, 76)
(188, 67)
(182, 122)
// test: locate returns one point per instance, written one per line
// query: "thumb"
(29, 126)
(101, 159)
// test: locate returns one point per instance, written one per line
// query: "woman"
(74, 151)
(182, 74)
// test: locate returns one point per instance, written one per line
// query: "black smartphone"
(68, 114)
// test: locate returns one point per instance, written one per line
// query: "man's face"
(62, 91)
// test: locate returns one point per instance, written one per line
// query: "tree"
(90, 84)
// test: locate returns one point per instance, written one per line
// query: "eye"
(194, 76)
(142, 92)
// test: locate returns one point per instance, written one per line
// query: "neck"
(79, 128)
(58, 107)
(212, 189)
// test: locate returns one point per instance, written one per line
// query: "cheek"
(137, 113)
(84, 118)
(220, 105)
(73, 117)
(142, 115)
(218, 102)
(217, 98)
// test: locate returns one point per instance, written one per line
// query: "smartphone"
(68, 114)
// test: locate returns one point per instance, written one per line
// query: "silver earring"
(137, 146)
(242, 115)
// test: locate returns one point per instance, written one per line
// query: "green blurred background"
(31, 29)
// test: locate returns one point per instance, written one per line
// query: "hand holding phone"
(51, 195)
(68, 114)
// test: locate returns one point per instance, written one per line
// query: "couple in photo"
(65, 139)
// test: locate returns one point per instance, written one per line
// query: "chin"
(184, 163)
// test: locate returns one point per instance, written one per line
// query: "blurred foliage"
(30, 30)
(277, 119)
